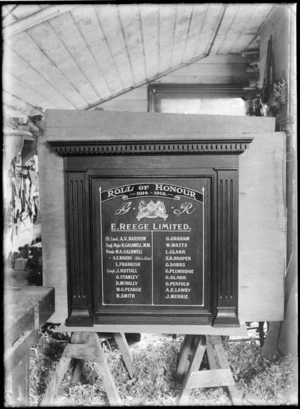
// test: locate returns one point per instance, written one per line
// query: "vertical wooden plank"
(167, 16)
(262, 228)
(116, 42)
(149, 24)
(53, 217)
(129, 17)
(53, 47)
(88, 23)
(20, 381)
(211, 21)
(181, 33)
(197, 21)
(79, 51)
(228, 20)
(42, 83)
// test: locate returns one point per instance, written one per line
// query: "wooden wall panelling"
(195, 29)
(45, 37)
(262, 229)
(25, 52)
(29, 10)
(11, 83)
(213, 69)
(212, 20)
(207, 79)
(240, 21)
(129, 19)
(228, 19)
(222, 69)
(88, 22)
(180, 33)
(251, 26)
(52, 208)
(130, 105)
(276, 26)
(149, 27)
(32, 19)
(7, 16)
(167, 18)
(12, 103)
(116, 43)
(78, 48)
(75, 124)
(24, 73)
(134, 101)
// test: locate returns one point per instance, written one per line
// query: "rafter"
(35, 19)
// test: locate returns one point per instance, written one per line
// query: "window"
(196, 99)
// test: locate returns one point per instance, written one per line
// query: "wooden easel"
(87, 346)
(219, 373)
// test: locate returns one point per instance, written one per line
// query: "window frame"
(157, 91)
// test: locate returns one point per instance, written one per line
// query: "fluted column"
(227, 248)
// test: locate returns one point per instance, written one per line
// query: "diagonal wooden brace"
(84, 346)
(218, 375)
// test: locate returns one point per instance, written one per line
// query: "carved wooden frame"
(77, 205)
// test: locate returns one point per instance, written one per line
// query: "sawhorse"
(218, 375)
(87, 346)
(198, 338)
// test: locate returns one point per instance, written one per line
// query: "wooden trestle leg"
(218, 375)
(87, 346)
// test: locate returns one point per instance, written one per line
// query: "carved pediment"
(207, 146)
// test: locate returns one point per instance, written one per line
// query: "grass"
(261, 380)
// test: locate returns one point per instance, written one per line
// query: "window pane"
(207, 106)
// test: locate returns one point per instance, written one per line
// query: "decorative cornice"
(90, 148)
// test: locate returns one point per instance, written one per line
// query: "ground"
(261, 380)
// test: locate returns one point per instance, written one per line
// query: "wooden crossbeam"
(35, 19)
(219, 373)
(210, 378)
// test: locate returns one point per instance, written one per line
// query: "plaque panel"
(153, 241)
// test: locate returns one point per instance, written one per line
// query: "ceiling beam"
(35, 19)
